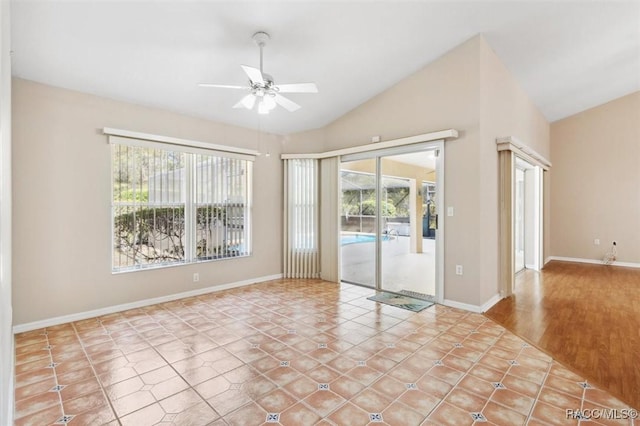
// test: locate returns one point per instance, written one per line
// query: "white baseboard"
(489, 303)
(21, 328)
(473, 308)
(592, 261)
(464, 306)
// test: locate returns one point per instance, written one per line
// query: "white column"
(6, 322)
(415, 216)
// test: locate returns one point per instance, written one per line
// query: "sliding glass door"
(358, 221)
(408, 224)
(389, 220)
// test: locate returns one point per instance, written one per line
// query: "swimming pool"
(359, 238)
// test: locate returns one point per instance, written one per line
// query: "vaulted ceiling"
(568, 56)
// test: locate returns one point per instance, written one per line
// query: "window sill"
(175, 264)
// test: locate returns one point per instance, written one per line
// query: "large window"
(173, 206)
(303, 203)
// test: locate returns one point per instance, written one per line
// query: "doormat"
(404, 302)
(416, 295)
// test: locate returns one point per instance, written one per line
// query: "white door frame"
(537, 198)
(509, 148)
(438, 147)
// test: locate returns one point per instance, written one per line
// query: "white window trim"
(148, 139)
(410, 140)
(510, 143)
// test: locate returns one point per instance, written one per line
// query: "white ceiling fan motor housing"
(261, 38)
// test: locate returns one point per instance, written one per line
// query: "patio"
(401, 270)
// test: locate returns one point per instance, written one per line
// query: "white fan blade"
(298, 88)
(287, 104)
(223, 86)
(246, 102)
(254, 74)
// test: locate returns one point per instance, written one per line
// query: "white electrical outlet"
(196, 277)
(449, 211)
(596, 242)
(458, 269)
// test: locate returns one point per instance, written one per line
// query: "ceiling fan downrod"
(261, 39)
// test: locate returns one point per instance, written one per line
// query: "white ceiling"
(568, 56)
(424, 159)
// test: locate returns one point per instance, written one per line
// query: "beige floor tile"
(276, 401)
(371, 401)
(350, 415)
(398, 413)
(466, 401)
(500, 415)
(43, 417)
(324, 402)
(447, 414)
(513, 400)
(33, 389)
(38, 402)
(97, 416)
(419, 401)
(295, 352)
(147, 416)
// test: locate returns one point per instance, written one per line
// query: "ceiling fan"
(262, 89)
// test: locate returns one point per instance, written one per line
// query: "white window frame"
(189, 148)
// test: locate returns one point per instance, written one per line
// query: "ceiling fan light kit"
(262, 89)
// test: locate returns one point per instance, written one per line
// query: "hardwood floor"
(585, 316)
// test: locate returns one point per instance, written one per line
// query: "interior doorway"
(521, 207)
(519, 219)
(527, 216)
(389, 230)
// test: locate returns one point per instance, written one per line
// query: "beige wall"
(61, 205)
(311, 141)
(62, 169)
(443, 95)
(595, 190)
(505, 110)
(467, 89)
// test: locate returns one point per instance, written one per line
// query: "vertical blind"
(172, 205)
(222, 225)
(329, 219)
(301, 254)
(149, 196)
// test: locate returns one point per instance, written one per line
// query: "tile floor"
(294, 352)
